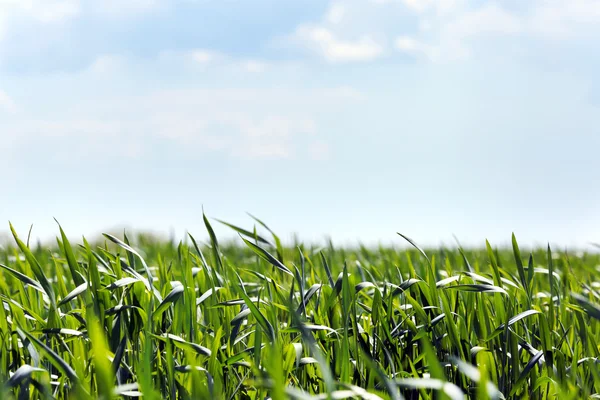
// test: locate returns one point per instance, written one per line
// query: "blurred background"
(346, 119)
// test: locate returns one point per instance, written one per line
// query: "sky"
(350, 119)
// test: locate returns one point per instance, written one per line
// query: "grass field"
(256, 320)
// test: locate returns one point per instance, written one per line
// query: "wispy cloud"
(250, 123)
(335, 14)
(106, 64)
(40, 11)
(565, 19)
(204, 57)
(46, 11)
(254, 66)
(334, 49)
(450, 35)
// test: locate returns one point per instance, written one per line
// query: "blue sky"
(353, 119)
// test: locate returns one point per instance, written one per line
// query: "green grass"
(257, 320)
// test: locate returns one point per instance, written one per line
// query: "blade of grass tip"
(150, 279)
(35, 267)
(265, 255)
(478, 287)
(29, 234)
(130, 257)
(327, 270)
(307, 296)
(209, 272)
(33, 353)
(74, 293)
(214, 243)
(21, 374)
(464, 256)
(24, 278)
(245, 232)
(530, 271)
(519, 261)
(553, 292)
(184, 344)
(412, 243)
(278, 244)
(302, 265)
(70, 256)
(174, 295)
(590, 308)
(430, 271)
(494, 263)
(197, 248)
(100, 299)
(511, 321)
(300, 287)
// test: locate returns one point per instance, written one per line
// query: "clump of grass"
(259, 320)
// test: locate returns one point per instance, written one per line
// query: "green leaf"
(74, 293)
(171, 298)
(149, 280)
(245, 232)
(185, 345)
(35, 267)
(478, 288)
(22, 374)
(590, 308)
(260, 318)
(54, 358)
(70, 256)
(265, 255)
(102, 365)
(511, 321)
(519, 261)
(25, 279)
(122, 282)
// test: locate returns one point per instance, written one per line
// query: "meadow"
(127, 317)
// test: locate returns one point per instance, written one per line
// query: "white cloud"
(413, 46)
(447, 38)
(564, 19)
(46, 11)
(106, 63)
(207, 58)
(6, 103)
(488, 19)
(335, 14)
(323, 41)
(43, 11)
(254, 66)
(204, 57)
(243, 123)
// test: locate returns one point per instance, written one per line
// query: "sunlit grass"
(259, 320)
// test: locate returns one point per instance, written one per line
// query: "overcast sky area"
(354, 119)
